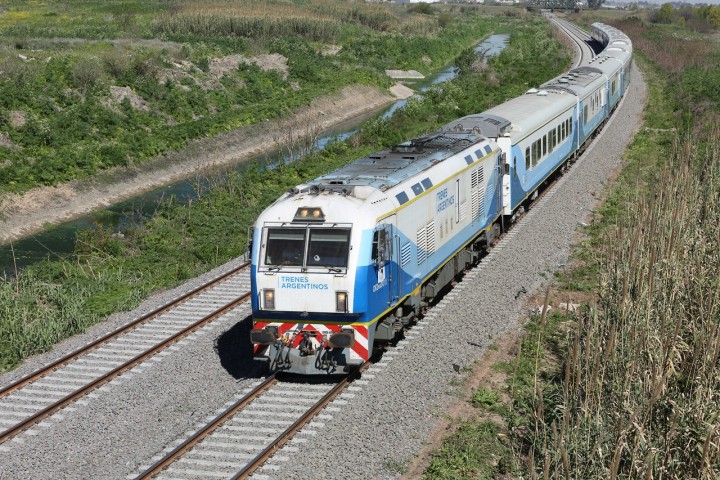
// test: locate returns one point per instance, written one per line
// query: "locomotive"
(341, 264)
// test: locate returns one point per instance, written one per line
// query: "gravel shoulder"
(28, 213)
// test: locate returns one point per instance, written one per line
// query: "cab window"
(285, 246)
(328, 247)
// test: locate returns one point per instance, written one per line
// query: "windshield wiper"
(332, 269)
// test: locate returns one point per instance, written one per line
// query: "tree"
(713, 15)
(665, 14)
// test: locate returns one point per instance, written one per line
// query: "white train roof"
(611, 36)
(520, 116)
(535, 108)
(388, 168)
(370, 187)
(578, 81)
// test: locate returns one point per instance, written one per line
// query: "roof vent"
(532, 90)
(542, 93)
(563, 80)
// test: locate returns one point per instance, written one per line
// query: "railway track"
(578, 36)
(44, 392)
(249, 431)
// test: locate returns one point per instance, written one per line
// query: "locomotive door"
(384, 253)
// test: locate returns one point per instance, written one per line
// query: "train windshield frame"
(308, 246)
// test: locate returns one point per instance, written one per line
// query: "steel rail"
(200, 435)
(286, 435)
(116, 333)
(232, 411)
(81, 392)
(572, 36)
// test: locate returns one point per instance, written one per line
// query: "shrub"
(87, 73)
(118, 61)
(422, 8)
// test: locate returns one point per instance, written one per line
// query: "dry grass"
(673, 54)
(319, 20)
(639, 393)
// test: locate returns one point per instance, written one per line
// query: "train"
(340, 265)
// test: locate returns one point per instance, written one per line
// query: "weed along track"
(250, 430)
(42, 393)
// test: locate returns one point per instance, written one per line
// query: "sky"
(706, 2)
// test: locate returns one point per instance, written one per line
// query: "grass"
(62, 118)
(89, 19)
(474, 450)
(485, 398)
(635, 395)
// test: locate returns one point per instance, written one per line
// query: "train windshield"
(307, 247)
(285, 246)
(328, 247)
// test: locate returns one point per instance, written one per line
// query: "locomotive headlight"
(341, 301)
(269, 299)
(309, 214)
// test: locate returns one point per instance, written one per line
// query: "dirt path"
(25, 214)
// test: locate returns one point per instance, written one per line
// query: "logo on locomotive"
(296, 282)
(444, 201)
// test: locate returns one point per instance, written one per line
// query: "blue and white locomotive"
(342, 263)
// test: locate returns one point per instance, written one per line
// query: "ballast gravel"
(388, 414)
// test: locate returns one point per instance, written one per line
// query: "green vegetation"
(701, 19)
(627, 387)
(474, 450)
(485, 398)
(54, 299)
(532, 57)
(88, 86)
(640, 384)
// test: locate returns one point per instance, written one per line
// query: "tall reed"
(639, 390)
(316, 20)
(208, 24)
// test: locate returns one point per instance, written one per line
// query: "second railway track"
(578, 36)
(44, 392)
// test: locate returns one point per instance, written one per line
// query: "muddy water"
(59, 240)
